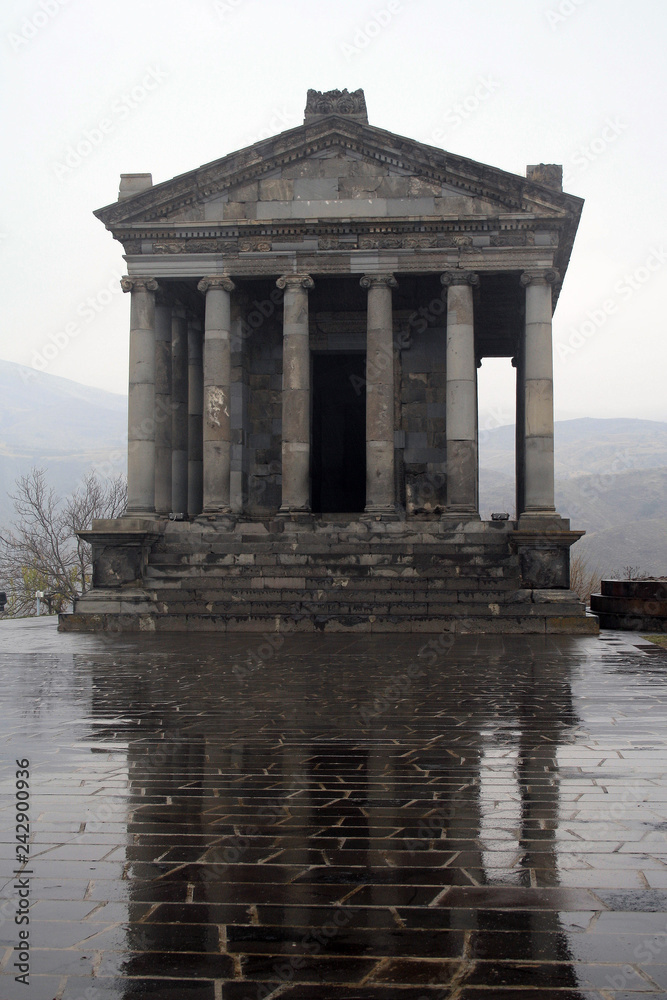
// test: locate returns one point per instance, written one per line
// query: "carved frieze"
(194, 246)
(509, 240)
(255, 243)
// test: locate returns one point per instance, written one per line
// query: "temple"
(307, 320)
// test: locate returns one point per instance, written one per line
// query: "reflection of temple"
(439, 813)
(307, 320)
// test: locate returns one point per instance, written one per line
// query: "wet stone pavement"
(333, 818)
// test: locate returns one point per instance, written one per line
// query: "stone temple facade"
(307, 319)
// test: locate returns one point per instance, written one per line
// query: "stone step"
(343, 548)
(297, 565)
(411, 588)
(272, 624)
(325, 608)
(345, 595)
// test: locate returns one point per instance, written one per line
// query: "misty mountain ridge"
(611, 474)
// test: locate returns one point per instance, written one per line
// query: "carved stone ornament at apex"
(320, 104)
(295, 463)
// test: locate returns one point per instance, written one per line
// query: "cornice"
(418, 159)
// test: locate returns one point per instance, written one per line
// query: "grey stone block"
(315, 189)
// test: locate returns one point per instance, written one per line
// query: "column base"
(380, 512)
(217, 518)
(302, 515)
(140, 512)
(460, 514)
(536, 520)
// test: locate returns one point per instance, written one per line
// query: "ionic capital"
(459, 278)
(295, 281)
(134, 283)
(376, 280)
(542, 276)
(216, 281)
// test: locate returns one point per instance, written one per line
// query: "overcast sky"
(93, 88)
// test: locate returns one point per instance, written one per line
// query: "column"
(380, 488)
(296, 394)
(195, 411)
(179, 416)
(162, 407)
(217, 388)
(536, 393)
(461, 395)
(141, 405)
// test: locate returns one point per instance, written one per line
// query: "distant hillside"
(611, 475)
(611, 480)
(62, 426)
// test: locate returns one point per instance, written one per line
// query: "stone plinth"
(632, 605)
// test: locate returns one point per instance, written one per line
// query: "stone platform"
(336, 817)
(632, 605)
(330, 575)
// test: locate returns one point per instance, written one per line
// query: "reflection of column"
(162, 407)
(461, 395)
(141, 404)
(536, 391)
(217, 382)
(296, 394)
(179, 417)
(195, 408)
(380, 489)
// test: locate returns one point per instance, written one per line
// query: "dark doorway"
(339, 433)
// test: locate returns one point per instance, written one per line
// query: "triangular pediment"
(339, 168)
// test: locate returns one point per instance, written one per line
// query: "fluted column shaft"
(536, 373)
(461, 395)
(217, 386)
(296, 394)
(162, 407)
(380, 487)
(141, 401)
(179, 416)
(195, 411)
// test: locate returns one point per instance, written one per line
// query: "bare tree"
(42, 551)
(583, 581)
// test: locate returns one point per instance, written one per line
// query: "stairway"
(337, 575)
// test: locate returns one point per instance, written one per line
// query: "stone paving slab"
(332, 817)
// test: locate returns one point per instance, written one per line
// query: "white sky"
(578, 82)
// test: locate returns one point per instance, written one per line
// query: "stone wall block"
(276, 189)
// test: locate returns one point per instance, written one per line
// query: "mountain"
(611, 480)
(59, 425)
(611, 475)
